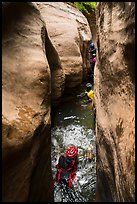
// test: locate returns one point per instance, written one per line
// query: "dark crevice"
(54, 65)
(50, 51)
(39, 183)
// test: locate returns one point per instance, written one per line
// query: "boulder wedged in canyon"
(115, 101)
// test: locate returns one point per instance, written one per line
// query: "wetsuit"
(66, 170)
(93, 51)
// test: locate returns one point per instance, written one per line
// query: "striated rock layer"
(115, 101)
(41, 56)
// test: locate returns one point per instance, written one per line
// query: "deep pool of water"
(73, 123)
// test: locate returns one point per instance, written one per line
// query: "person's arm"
(93, 51)
(74, 170)
(82, 94)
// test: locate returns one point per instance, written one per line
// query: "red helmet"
(71, 152)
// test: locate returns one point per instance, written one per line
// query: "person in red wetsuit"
(67, 167)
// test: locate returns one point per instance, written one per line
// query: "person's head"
(71, 152)
(88, 86)
(92, 45)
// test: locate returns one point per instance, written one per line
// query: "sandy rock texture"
(26, 93)
(41, 56)
(69, 32)
(115, 101)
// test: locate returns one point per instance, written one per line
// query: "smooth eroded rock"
(115, 101)
(25, 99)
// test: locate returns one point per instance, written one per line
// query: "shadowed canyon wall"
(25, 102)
(115, 101)
(41, 57)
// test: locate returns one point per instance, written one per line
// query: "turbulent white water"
(73, 124)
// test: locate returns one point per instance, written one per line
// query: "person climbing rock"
(89, 92)
(92, 65)
(92, 60)
(92, 49)
(67, 166)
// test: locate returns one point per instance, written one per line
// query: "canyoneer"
(92, 60)
(92, 49)
(67, 167)
(89, 92)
